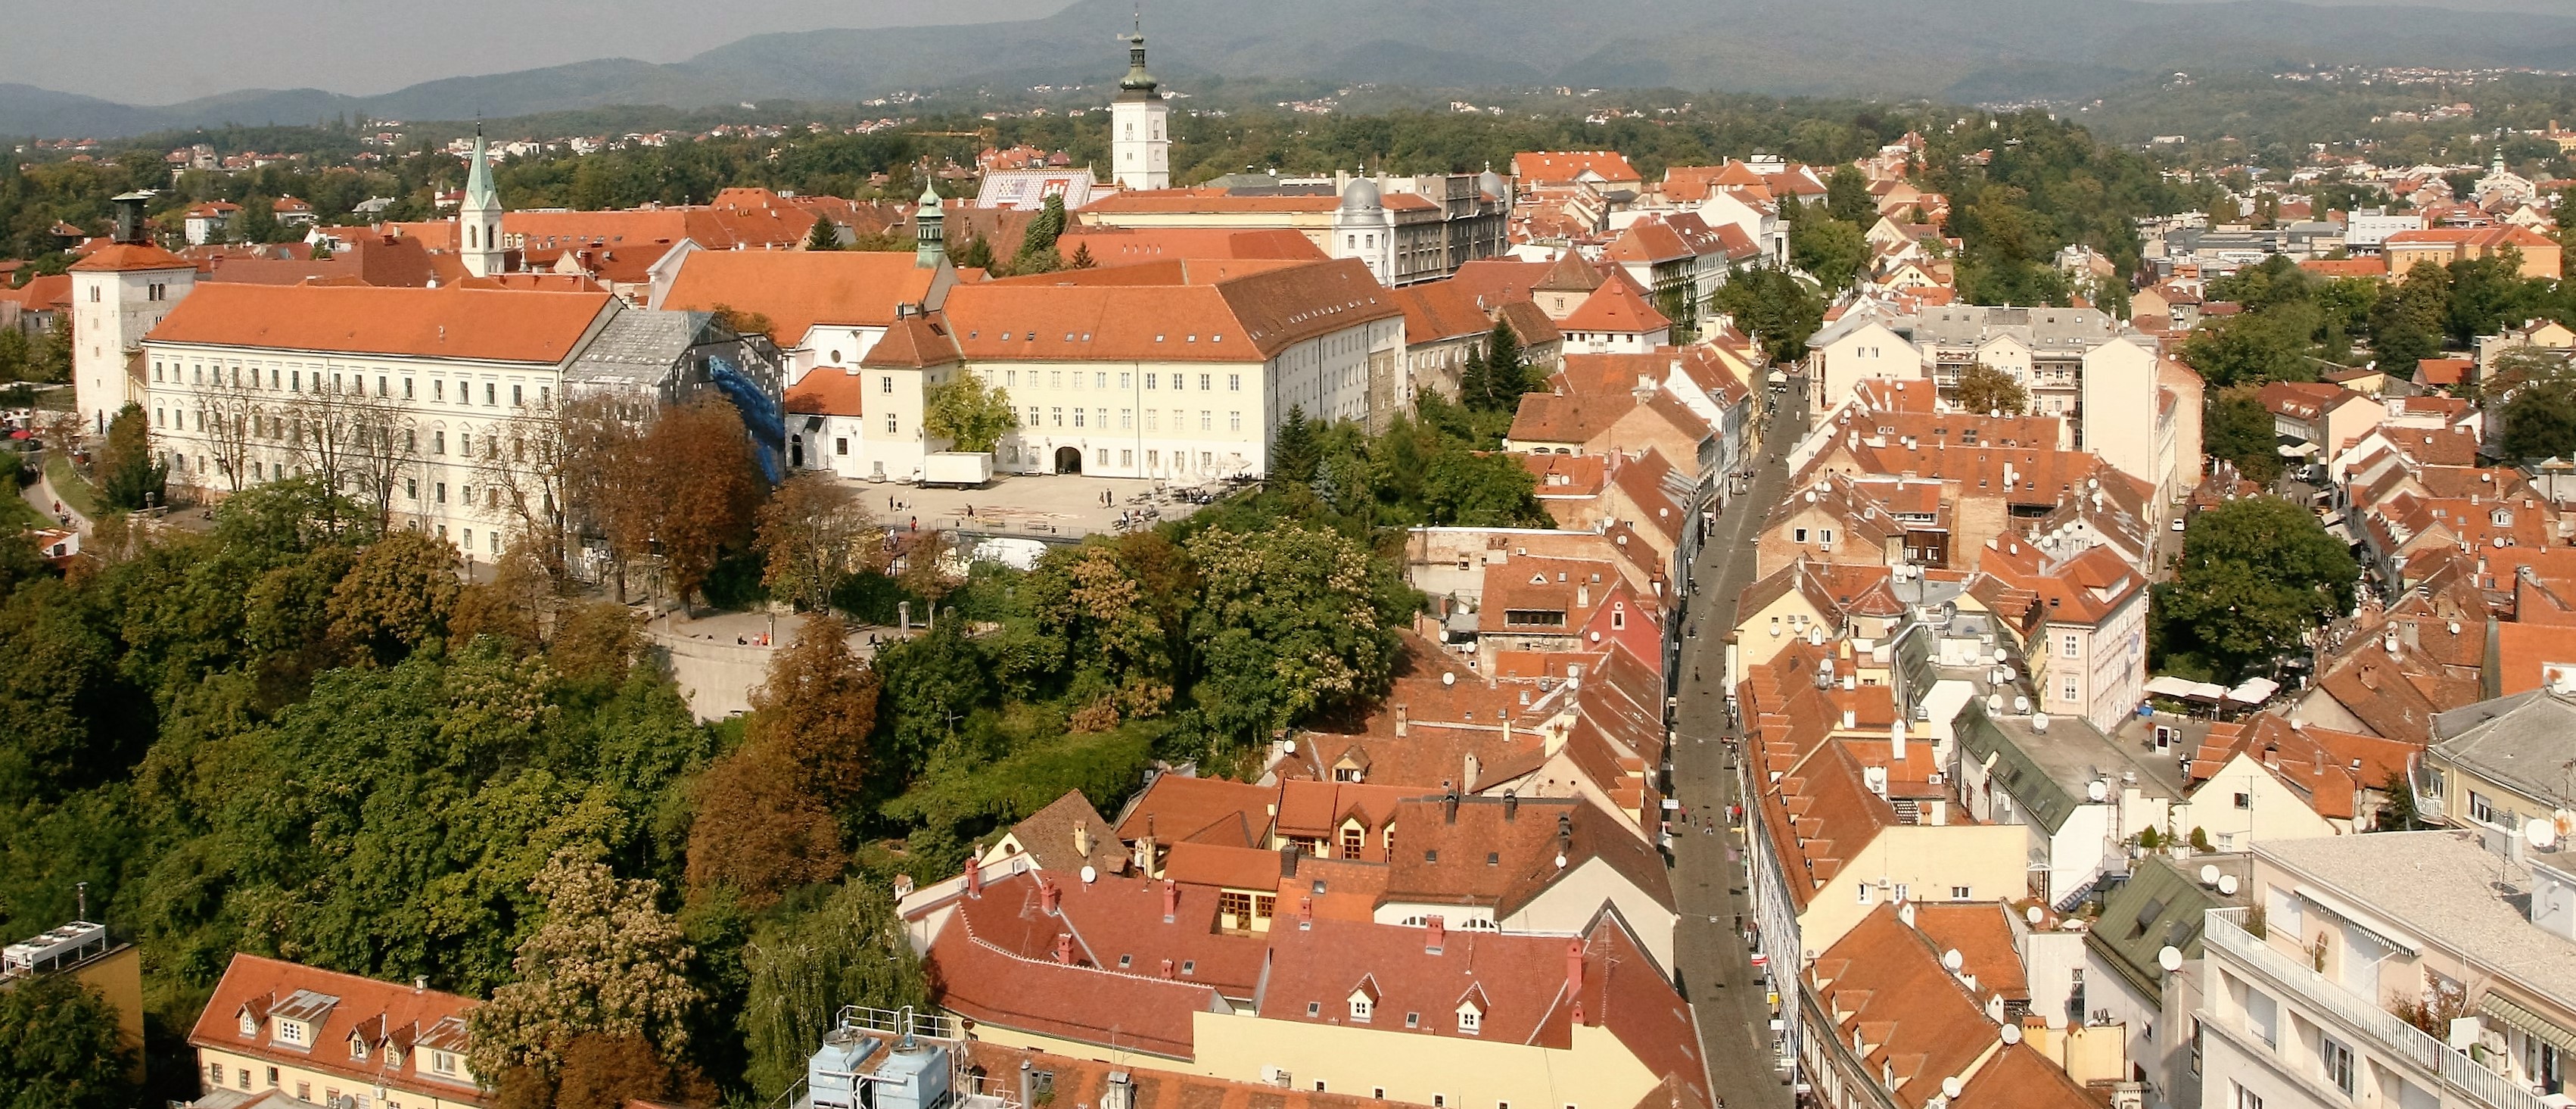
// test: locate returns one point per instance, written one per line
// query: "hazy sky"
(161, 51)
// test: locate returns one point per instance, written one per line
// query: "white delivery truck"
(965, 469)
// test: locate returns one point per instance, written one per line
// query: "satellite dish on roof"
(2033, 914)
(2170, 958)
(1951, 960)
(1449, 677)
(1994, 702)
(2227, 884)
(2000, 657)
(1951, 1086)
(2097, 791)
(2540, 831)
(2209, 874)
(2012, 1034)
(1090, 875)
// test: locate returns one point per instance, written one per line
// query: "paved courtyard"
(1044, 505)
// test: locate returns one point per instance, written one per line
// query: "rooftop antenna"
(80, 891)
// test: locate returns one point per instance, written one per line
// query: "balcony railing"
(2461, 1074)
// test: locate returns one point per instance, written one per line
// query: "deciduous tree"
(1983, 388)
(1776, 309)
(814, 532)
(1290, 621)
(819, 705)
(968, 415)
(2236, 427)
(605, 961)
(2255, 575)
(396, 597)
(759, 827)
(850, 950)
(61, 1047)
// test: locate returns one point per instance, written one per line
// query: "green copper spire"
(1137, 84)
(479, 193)
(929, 236)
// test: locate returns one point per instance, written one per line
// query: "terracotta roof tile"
(428, 323)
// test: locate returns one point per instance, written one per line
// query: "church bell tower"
(1140, 141)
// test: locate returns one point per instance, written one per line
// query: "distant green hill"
(1979, 50)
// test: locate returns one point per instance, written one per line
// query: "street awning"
(2254, 691)
(2296, 450)
(2169, 686)
(2511, 1012)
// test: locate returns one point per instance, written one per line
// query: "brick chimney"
(1403, 719)
(1305, 913)
(1438, 929)
(1167, 968)
(974, 876)
(1064, 948)
(1171, 901)
(1050, 898)
(1574, 975)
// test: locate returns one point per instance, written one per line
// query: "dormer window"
(294, 1032)
(249, 1027)
(442, 1062)
(1360, 1006)
(1471, 1020)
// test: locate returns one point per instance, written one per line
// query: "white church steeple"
(1140, 141)
(478, 219)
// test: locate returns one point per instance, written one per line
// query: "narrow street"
(1709, 872)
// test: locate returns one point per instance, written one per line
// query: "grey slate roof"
(636, 350)
(2524, 743)
(2447, 889)
(2161, 905)
(2047, 772)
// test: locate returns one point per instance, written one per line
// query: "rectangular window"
(442, 492)
(2066, 646)
(2480, 809)
(1234, 383)
(1077, 417)
(1033, 415)
(2066, 692)
(1152, 458)
(1152, 420)
(1959, 893)
(1234, 421)
(1204, 380)
(2337, 1061)
(890, 423)
(1864, 893)
(1149, 380)
(1055, 379)
(1126, 418)
(1127, 458)
(518, 399)
(491, 395)
(2247, 1099)
(841, 445)
(1207, 420)
(1798, 535)
(1100, 380)
(1127, 381)
(1236, 905)
(437, 390)
(885, 384)
(406, 386)
(1058, 413)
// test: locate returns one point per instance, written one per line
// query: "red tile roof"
(427, 323)
(342, 1006)
(828, 392)
(1437, 310)
(798, 289)
(1565, 167)
(129, 258)
(1234, 318)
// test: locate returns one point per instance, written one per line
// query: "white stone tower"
(478, 219)
(119, 293)
(1140, 142)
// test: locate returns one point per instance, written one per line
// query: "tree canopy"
(2256, 574)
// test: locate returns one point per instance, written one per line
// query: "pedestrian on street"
(916, 523)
